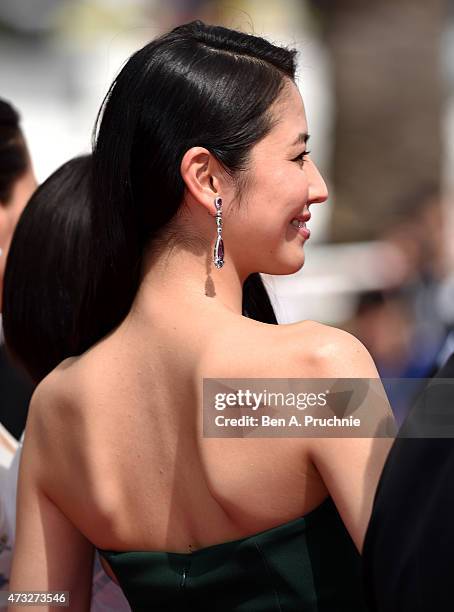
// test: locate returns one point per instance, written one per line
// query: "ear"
(201, 173)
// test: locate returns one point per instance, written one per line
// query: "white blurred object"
(8, 447)
(327, 286)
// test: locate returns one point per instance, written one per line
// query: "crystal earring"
(219, 246)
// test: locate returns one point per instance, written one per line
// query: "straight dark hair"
(198, 85)
(44, 293)
(92, 219)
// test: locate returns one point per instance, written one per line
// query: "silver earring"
(1, 251)
(219, 246)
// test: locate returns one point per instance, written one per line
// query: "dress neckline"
(272, 530)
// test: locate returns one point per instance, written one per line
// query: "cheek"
(276, 193)
(4, 225)
(16, 213)
(8, 221)
(288, 183)
(270, 190)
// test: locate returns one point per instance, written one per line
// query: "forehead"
(290, 118)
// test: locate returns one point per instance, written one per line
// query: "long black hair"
(74, 264)
(197, 85)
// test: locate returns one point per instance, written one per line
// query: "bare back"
(142, 475)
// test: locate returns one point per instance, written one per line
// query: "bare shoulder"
(304, 349)
(55, 409)
(328, 352)
(48, 395)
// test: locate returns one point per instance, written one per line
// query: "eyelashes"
(301, 157)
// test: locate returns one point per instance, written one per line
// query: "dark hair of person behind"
(198, 85)
(44, 292)
(13, 151)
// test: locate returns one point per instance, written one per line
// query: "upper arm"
(50, 553)
(351, 466)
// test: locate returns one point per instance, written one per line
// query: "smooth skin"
(114, 455)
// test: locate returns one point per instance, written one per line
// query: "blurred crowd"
(408, 325)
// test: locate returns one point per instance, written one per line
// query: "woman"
(17, 183)
(203, 120)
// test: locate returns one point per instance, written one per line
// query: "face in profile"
(282, 183)
(10, 211)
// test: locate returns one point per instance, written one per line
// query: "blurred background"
(377, 78)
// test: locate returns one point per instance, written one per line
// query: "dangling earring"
(219, 246)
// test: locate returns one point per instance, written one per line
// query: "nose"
(318, 191)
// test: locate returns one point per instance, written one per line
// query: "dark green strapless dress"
(309, 564)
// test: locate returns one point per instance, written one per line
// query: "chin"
(297, 267)
(283, 268)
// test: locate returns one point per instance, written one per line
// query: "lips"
(299, 223)
(303, 217)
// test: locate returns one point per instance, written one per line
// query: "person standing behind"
(17, 183)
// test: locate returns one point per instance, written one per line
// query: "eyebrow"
(303, 137)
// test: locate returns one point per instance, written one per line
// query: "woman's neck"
(186, 278)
